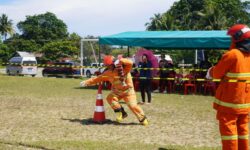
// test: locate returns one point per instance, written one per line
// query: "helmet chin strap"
(244, 45)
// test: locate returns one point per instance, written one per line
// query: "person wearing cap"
(122, 87)
(233, 98)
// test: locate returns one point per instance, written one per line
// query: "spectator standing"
(170, 74)
(145, 78)
(163, 64)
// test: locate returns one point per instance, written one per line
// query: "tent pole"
(82, 54)
(81, 57)
(196, 57)
(128, 52)
(99, 54)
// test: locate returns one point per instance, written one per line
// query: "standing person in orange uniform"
(233, 98)
(122, 88)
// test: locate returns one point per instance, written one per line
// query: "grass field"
(49, 113)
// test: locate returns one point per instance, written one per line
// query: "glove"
(208, 73)
(83, 84)
(117, 62)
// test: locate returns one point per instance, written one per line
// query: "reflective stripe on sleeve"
(243, 137)
(238, 75)
(229, 137)
(231, 105)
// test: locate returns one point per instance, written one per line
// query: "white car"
(23, 63)
(93, 69)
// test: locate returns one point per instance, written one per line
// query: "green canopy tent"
(166, 39)
(170, 39)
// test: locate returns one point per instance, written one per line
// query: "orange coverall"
(233, 99)
(118, 91)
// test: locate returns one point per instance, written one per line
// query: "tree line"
(200, 15)
(42, 34)
(48, 36)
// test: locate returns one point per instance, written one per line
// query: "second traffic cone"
(99, 115)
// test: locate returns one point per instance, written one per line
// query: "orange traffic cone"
(99, 115)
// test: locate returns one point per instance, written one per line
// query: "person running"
(122, 88)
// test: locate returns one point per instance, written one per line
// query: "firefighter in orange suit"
(233, 98)
(121, 89)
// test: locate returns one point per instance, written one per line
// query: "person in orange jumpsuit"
(233, 98)
(122, 88)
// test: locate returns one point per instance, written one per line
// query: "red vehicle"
(62, 69)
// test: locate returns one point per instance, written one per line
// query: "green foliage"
(93, 47)
(43, 28)
(46, 34)
(4, 55)
(179, 55)
(124, 51)
(19, 44)
(75, 39)
(6, 26)
(60, 49)
(214, 56)
(105, 49)
(201, 15)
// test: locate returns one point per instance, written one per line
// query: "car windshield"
(29, 62)
(67, 63)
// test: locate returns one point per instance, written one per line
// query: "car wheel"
(45, 75)
(88, 74)
(8, 72)
(33, 75)
(63, 76)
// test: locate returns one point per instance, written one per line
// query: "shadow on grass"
(81, 88)
(90, 88)
(24, 145)
(166, 149)
(89, 121)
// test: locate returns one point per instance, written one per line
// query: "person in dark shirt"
(163, 64)
(145, 78)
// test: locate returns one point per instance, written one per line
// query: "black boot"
(120, 114)
(124, 114)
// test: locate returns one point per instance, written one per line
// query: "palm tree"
(168, 22)
(6, 26)
(213, 18)
(155, 24)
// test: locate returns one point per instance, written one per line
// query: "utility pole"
(81, 51)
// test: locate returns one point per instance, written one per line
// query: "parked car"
(62, 69)
(94, 69)
(23, 63)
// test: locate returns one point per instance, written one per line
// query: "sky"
(90, 17)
